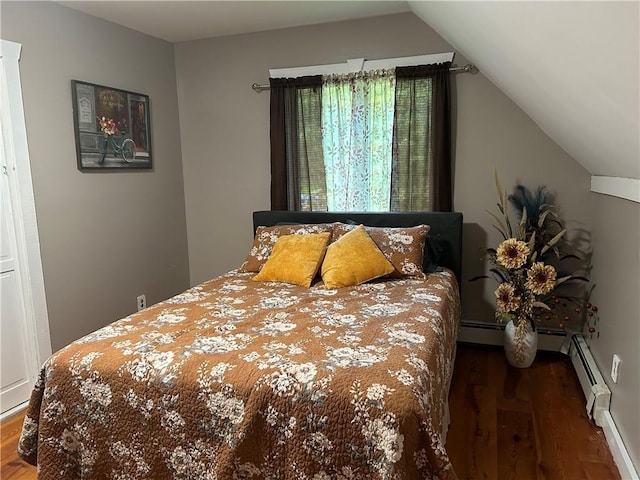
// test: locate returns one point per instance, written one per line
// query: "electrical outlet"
(615, 368)
(141, 301)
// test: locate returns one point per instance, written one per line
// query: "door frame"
(18, 166)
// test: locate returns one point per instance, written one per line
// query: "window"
(357, 140)
(369, 141)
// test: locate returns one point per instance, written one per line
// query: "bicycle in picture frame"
(112, 128)
(126, 149)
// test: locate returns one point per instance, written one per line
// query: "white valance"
(359, 65)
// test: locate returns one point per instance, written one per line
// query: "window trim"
(360, 65)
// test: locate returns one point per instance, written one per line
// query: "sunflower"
(506, 298)
(541, 278)
(512, 253)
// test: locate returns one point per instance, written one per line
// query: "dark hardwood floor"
(12, 467)
(509, 423)
(506, 423)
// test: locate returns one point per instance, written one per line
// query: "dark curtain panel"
(421, 162)
(307, 155)
(296, 136)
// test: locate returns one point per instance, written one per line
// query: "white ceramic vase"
(520, 344)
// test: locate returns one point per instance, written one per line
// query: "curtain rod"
(468, 68)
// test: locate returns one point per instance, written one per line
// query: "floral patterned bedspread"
(235, 379)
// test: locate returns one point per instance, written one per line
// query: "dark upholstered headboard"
(444, 242)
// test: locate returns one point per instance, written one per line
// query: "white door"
(24, 321)
(16, 355)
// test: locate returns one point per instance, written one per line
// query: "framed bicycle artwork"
(112, 128)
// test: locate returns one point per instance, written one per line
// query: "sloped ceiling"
(572, 66)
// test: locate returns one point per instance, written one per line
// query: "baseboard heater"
(595, 389)
(593, 385)
(485, 333)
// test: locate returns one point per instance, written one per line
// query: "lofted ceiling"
(572, 66)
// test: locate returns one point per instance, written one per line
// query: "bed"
(238, 379)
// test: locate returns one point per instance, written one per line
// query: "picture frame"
(112, 128)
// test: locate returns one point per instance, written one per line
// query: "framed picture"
(112, 128)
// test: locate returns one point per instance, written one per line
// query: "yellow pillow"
(354, 259)
(295, 259)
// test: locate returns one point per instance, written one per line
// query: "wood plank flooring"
(507, 424)
(12, 466)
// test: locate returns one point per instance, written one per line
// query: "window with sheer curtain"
(369, 141)
(357, 140)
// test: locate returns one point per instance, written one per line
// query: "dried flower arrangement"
(529, 265)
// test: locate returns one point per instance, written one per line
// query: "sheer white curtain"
(357, 139)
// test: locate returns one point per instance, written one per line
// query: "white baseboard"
(12, 411)
(618, 449)
(483, 333)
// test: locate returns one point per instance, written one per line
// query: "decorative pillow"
(433, 251)
(295, 259)
(353, 259)
(403, 246)
(266, 238)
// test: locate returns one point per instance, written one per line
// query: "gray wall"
(105, 237)
(616, 271)
(225, 138)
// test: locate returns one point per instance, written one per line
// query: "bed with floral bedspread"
(235, 379)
